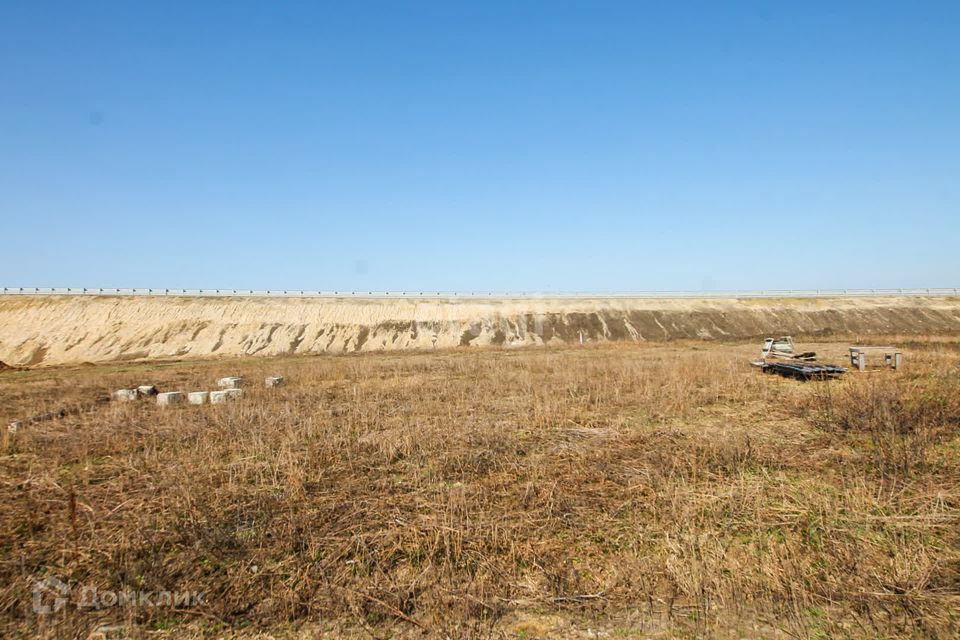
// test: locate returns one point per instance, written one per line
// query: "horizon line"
(477, 294)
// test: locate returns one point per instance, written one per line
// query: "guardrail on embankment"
(304, 293)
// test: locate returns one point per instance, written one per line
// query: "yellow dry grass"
(613, 491)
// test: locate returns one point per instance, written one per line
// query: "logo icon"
(49, 595)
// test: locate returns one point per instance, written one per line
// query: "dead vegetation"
(632, 489)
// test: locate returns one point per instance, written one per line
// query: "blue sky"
(487, 145)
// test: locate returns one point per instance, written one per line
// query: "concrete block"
(126, 395)
(15, 426)
(273, 381)
(231, 382)
(147, 390)
(220, 397)
(198, 397)
(171, 397)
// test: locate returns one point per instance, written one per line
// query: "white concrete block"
(198, 397)
(147, 390)
(171, 397)
(231, 382)
(219, 397)
(273, 381)
(126, 395)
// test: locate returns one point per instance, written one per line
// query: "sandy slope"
(42, 330)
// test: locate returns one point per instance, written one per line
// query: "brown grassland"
(621, 491)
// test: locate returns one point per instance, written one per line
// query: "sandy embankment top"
(42, 330)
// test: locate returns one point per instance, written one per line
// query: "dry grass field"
(617, 491)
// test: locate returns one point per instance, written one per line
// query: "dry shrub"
(892, 420)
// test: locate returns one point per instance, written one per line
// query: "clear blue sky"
(484, 145)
